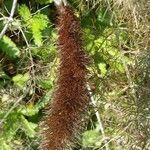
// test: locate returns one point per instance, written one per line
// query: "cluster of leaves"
(28, 72)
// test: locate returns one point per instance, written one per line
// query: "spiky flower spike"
(66, 112)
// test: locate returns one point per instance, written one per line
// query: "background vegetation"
(116, 36)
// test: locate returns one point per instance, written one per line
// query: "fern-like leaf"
(25, 13)
(36, 23)
(8, 47)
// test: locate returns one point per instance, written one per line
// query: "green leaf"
(102, 67)
(24, 12)
(30, 111)
(11, 125)
(4, 145)
(44, 101)
(91, 137)
(39, 23)
(36, 23)
(8, 47)
(28, 127)
(20, 80)
(119, 67)
(46, 84)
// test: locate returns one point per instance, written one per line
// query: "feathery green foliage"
(9, 48)
(36, 23)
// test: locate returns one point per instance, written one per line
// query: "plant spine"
(64, 116)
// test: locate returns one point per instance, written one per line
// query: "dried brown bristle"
(64, 115)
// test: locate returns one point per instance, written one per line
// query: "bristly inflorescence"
(64, 115)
